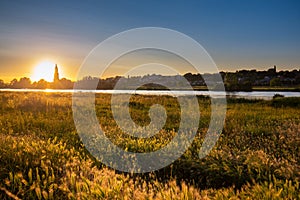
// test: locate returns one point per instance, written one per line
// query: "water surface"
(248, 95)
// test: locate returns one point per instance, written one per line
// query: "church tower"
(56, 74)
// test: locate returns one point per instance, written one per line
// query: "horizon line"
(182, 74)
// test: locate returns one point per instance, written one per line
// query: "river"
(248, 95)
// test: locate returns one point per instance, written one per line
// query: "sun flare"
(44, 70)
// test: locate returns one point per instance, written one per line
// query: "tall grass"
(42, 157)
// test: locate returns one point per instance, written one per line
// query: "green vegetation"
(275, 82)
(277, 88)
(41, 156)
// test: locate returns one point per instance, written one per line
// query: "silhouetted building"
(272, 71)
(56, 74)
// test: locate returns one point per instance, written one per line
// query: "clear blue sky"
(237, 34)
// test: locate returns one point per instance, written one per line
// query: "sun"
(44, 70)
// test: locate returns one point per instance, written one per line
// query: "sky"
(249, 34)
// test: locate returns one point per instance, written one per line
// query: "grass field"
(41, 156)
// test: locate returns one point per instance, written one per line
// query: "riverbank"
(278, 88)
(266, 95)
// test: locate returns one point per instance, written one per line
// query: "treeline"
(243, 80)
(26, 83)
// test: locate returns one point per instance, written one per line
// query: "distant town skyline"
(241, 80)
(237, 34)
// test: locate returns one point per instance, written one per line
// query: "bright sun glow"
(44, 70)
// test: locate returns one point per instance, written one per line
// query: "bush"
(286, 102)
(277, 96)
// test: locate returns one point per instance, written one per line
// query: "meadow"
(42, 157)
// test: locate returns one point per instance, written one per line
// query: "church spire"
(56, 74)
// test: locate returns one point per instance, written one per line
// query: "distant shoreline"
(195, 88)
(265, 95)
(281, 89)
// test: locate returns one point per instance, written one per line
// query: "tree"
(42, 84)
(25, 82)
(275, 82)
(22, 83)
(14, 83)
(2, 84)
(231, 82)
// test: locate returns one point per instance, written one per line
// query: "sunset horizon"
(45, 70)
(235, 38)
(157, 100)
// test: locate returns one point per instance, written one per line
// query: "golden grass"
(41, 156)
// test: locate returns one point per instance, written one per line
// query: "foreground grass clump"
(49, 170)
(41, 156)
